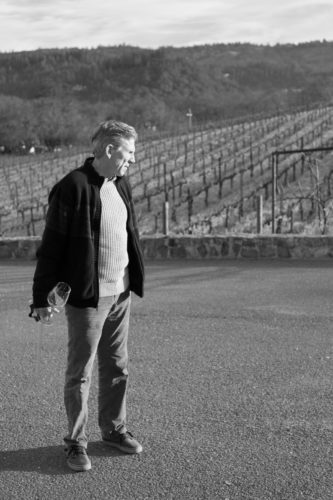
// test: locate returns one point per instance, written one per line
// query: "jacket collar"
(98, 180)
(91, 172)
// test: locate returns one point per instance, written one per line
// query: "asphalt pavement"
(231, 366)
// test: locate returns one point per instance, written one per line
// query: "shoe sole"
(79, 468)
(131, 451)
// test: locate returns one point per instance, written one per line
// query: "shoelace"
(76, 450)
(125, 435)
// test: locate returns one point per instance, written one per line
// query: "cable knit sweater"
(113, 256)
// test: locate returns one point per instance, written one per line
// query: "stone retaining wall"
(204, 247)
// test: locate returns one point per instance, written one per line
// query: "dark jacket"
(69, 247)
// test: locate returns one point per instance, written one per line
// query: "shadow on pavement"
(48, 460)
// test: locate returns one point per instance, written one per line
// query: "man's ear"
(109, 150)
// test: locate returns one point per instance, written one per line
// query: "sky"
(34, 24)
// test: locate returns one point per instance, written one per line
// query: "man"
(91, 242)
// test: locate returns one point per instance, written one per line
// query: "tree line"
(55, 96)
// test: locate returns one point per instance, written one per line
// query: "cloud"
(28, 25)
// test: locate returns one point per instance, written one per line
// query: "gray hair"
(111, 132)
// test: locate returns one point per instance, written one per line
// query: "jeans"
(104, 331)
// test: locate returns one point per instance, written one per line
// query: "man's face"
(122, 156)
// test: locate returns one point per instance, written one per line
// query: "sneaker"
(123, 441)
(77, 458)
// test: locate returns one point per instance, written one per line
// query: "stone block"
(283, 248)
(249, 249)
(27, 249)
(5, 251)
(202, 250)
(236, 246)
(178, 252)
(225, 247)
(161, 251)
(266, 248)
(213, 251)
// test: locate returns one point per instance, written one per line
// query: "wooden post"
(189, 116)
(251, 159)
(259, 214)
(227, 217)
(173, 186)
(189, 204)
(241, 187)
(285, 178)
(302, 163)
(220, 178)
(291, 221)
(180, 189)
(194, 153)
(274, 165)
(166, 218)
(165, 181)
(301, 210)
(206, 195)
(158, 177)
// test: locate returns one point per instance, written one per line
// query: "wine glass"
(57, 299)
(58, 296)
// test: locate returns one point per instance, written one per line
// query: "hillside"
(56, 96)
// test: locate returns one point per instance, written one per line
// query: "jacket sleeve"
(50, 254)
